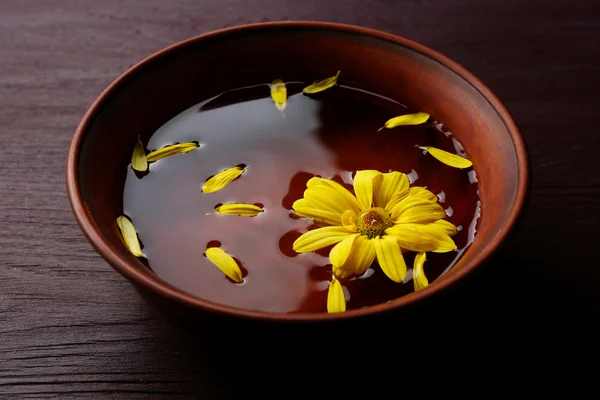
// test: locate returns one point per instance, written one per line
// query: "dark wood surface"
(71, 327)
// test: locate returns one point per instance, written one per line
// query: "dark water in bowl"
(331, 135)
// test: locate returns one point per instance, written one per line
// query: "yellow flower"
(381, 220)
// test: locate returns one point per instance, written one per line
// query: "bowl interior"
(159, 88)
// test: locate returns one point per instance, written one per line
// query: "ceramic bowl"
(160, 86)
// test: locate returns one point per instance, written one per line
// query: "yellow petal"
(129, 236)
(244, 210)
(419, 279)
(360, 259)
(448, 158)
(222, 179)
(322, 85)
(139, 161)
(303, 209)
(408, 119)
(340, 252)
(421, 193)
(392, 183)
(422, 238)
(225, 263)
(349, 220)
(336, 302)
(349, 197)
(390, 258)
(279, 94)
(325, 198)
(411, 237)
(416, 210)
(171, 150)
(365, 182)
(319, 238)
(447, 226)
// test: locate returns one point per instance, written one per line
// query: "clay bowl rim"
(163, 289)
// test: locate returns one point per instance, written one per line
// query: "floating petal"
(408, 119)
(419, 279)
(171, 150)
(222, 179)
(336, 301)
(244, 210)
(279, 94)
(322, 85)
(303, 209)
(450, 159)
(225, 263)
(321, 237)
(129, 236)
(390, 258)
(139, 161)
(365, 182)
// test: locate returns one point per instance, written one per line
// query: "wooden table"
(71, 327)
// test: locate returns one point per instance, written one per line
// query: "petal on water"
(419, 279)
(129, 236)
(450, 159)
(171, 150)
(279, 94)
(322, 85)
(244, 210)
(225, 263)
(139, 160)
(408, 119)
(222, 179)
(336, 302)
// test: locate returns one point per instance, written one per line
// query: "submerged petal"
(416, 210)
(244, 210)
(129, 236)
(279, 94)
(349, 197)
(392, 183)
(139, 161)
(419, 279)
(336, 301)
(222, 179)
(225, 263)
(321, 237)
(450, 159)
(365, 182)
(171, 150)
(408, 119)
(390, 258)
(303, 209)
(322, 85)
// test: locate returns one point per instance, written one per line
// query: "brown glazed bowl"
(159, 87)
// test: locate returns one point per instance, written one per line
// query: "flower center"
(373, 222)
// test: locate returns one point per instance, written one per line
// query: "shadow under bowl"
(159, 87)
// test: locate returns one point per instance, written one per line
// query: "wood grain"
(71, 327)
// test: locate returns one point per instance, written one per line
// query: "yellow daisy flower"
(381, 220)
